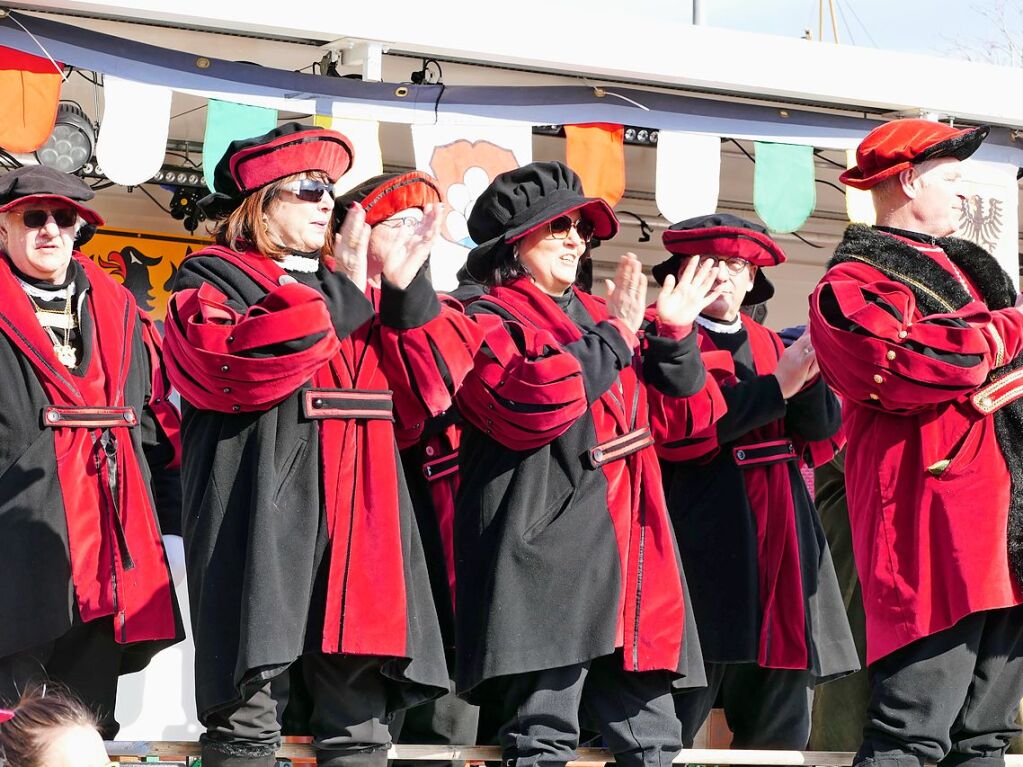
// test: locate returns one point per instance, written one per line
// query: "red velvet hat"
(384, 195)
(895, 146)
(727, 236)
(251, 163)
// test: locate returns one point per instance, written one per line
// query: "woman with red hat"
(388, 206)
(570, 592)
(300, 537)
(771, 618)
(921, 333)
(90, 456)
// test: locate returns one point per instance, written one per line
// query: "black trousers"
(347, 717)
(86, 661)
(447, 721)
(764, 707)
(632, 710)
(950, 697)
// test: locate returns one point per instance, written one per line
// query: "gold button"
(984, 402)
(903, 333)
(878, 379)
(875, 396)
(890, 355)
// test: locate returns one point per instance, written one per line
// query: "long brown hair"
(40, 712)
(245, 229)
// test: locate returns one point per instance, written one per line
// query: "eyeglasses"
(409, 222)
(561, 226)
(309, 189)
(734, 265)
(36, 218)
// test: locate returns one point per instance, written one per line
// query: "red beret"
(895, 146)
(384, 195)
(285, 155)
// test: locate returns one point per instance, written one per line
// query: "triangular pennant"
(465, 159)
(227, 122)
(133, 133)
(365, 138)
(784, 191)
(596, 152)
(859, 203)
(688, 178)
(29, 96)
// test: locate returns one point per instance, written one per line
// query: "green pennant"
(227, 122)
(784, 191)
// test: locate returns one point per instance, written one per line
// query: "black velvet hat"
(384, 195)
(39, 183)
(520, 201)
(726, 236)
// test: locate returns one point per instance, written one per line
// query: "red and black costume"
(919, 337)
(300, 536)
(765, 594)
(569, 587)
(90, 480)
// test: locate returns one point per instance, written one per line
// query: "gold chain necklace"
(65, 352)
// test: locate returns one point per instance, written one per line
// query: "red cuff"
(630, 338)
(674, 332)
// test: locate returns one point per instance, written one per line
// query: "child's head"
(47, 728)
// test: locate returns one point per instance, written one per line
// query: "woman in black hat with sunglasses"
(300, 536)
(570, 593)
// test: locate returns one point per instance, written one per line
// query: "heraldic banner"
(465, 159)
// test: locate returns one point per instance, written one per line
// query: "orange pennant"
(29, 96)
(597, 153)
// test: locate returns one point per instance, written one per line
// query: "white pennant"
(990, 216)
(859, 203)
(365, 138)
(688, 178)
(133, 133)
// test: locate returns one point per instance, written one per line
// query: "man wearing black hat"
(767, 603)
(921, 334)
(88, 461)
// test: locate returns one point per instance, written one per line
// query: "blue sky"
(906, 25)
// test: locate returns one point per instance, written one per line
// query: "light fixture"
(72, 141)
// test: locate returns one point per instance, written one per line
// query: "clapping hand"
(798, 364)
(410, 248)
(682, 299)
(626, 295)
(351, 245)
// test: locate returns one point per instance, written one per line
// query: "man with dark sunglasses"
(89, 453)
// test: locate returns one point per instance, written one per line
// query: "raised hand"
(626, 295)
(681, 300)
(797, 365)
(351, 245)
(410, 249)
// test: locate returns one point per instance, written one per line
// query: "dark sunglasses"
(562, 225)
(310, 190)
(36, 218)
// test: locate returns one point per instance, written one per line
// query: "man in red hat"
(921, 334)
(89, 449)
(767, 603)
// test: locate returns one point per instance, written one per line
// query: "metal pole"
(697, 12)
(834, 21)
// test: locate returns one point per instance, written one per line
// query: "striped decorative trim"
(364, 404)
(620, 447)
(441, 467)
(88, 417)
(997, 394)
(763, 453)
